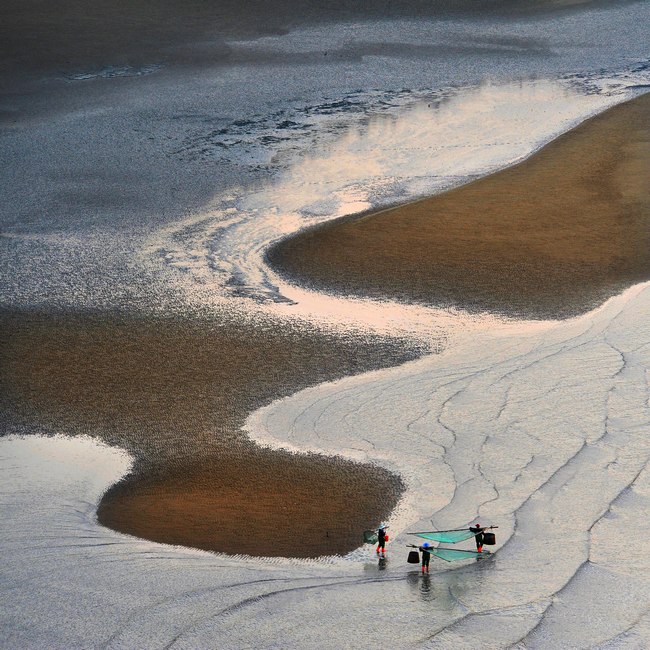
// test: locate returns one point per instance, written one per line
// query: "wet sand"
(550, 237)
(175, 395)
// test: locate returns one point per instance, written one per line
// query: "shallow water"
(538, 427)
(541, 432)
(95, 166)
(418, 145)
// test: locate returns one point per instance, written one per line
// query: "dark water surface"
(37, 34)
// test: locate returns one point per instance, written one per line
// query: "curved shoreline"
(174, 394)
(550, 237)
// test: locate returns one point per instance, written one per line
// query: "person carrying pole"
(425, 549)
(479, 531)
(382, 538)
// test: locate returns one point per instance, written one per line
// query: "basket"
(369, 536)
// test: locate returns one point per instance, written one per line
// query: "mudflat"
(175, 394)
(550, 237)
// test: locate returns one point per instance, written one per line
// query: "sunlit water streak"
(436, 141)
(555, 452)
(542, 432)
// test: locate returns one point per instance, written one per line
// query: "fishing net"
(370, 537)
(447, 536)
(451, 554)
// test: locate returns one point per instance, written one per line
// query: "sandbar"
(175, 394)
(551, 237)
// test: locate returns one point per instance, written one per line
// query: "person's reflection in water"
(382, 564)
(421, 585)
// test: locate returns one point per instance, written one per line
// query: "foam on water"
(414, 145)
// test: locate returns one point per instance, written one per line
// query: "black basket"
(413, 558)
(489, 539)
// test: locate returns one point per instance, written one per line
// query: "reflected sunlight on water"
(383, 159)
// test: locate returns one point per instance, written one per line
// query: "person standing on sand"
(382, 538)
(425, 549)
(478, 536)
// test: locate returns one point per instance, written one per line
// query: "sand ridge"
(548, 238)
(175, 394)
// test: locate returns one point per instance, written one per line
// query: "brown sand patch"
(175, 394)
(550, 237)
(257, 503)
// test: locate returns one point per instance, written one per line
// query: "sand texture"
(550, 237)
(175, 395)
(547, 237)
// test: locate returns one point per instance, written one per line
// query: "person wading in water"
(478, 536)
(382, 538)
(425, 549)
